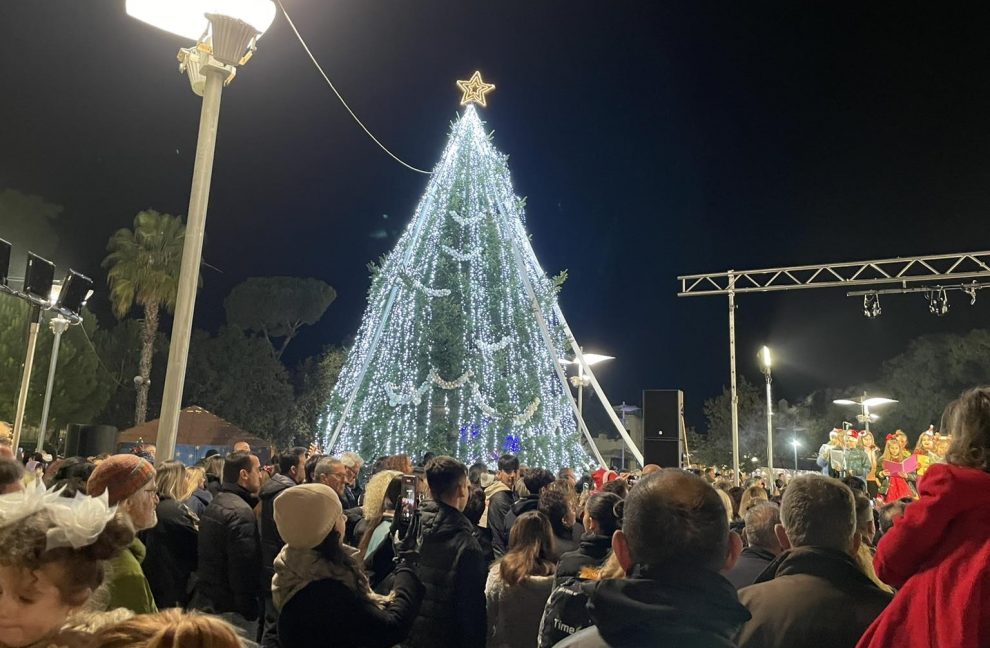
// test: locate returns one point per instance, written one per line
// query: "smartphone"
(409, 501)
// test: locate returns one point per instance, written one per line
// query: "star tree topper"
(474, 90)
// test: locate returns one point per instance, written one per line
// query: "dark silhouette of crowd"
(314, 550)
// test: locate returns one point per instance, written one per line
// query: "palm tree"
(143, 270)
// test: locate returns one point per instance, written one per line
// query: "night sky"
(650, 139)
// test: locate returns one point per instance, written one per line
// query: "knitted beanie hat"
(121, 476)
(306, 514)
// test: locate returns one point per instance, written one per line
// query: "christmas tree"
(452, 355)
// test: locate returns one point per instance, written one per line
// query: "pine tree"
(450, 356)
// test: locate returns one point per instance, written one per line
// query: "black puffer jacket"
(172, 553)
(229, 555)
(452, 569)
(593, 551)
(528, 503)
(271, 541)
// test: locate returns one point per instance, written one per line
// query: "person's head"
(331, 472)
(567, 474)
(40, 584)
(619, 487)
(195, 480)
(352, 466)
(866, 526)
(171, 478)
(475, 472)
(967, 420)
(893, 448)
(674, 518)
(243, 469)
(902, 438)
(710, 473)
(447, 479)
(11, 476)
(475, 506)
(7, 448)
(835, 437)
(401, 463)
(855, 484)
(169, 629)
(426, 458)
(292, 464)
(866, 440)
(536, 479)
(508, 469)
(727, 503)
(73, 474)
(558, 509)
(129, 482)
(311, 463)
(818, 511)
(151, 450)
(852, 439)
(603, 514)
(306, 514)
(942, 444)
(649, 469)
(241, 446)
(926, 443)
(531, 549)
(762, 519)
(213, 466)
(888, 513)
(750, 496)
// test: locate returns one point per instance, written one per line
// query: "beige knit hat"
(306, 514)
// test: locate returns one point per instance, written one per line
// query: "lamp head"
(187, 18)
(766, 359)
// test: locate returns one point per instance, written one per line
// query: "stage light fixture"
(938, 302)
(76, 290)
(871, 305)
(971, 293)
(39, 274)
(4, 262)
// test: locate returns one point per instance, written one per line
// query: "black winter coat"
(751, 564)
(675, 607)
(199, 500)
(271, 541)
(499, 506)
(593, 551)
(328, 613)
(522, 505)
(172, 554)
(454, 572)
(229, 555)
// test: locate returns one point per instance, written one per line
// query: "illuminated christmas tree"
(451, 355)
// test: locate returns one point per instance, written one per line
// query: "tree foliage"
(313, 382)
(277, 307)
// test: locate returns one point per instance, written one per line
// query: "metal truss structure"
(905, 274)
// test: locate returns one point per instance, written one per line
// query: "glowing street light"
(795, 444)
(864, 403)
(225, 33)
(766, 363)
(581, 380)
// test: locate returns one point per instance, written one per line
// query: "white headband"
(78, 521)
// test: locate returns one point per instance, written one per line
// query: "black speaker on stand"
(90, 440)
(663, 427)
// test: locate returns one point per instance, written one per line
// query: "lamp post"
(795, 444)
(766, 362)
(581, 380)
(225, 34)
(864, 404)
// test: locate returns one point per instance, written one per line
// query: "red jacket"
(938, 556)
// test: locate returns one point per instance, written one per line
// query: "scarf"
(297, 568)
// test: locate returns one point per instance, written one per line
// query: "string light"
(460, 366)
(474, 90)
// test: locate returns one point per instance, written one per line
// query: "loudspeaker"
(90, 440)
(663, 427)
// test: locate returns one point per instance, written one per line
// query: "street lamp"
(766, 362)
(225, 32)
(796, 444)
(864, 403)
(581, 380)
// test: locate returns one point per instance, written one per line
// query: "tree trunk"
(144, 368)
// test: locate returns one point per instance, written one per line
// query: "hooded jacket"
(172, 554)
(671, 607)
(453, 572)
(591, 552)
(797, 600)
(938, 554)
(500, 499)
(126, 582)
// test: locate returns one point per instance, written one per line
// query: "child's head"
(892, 449)
(40, 587)
(167, 629)
(967, 420)
(926, 443)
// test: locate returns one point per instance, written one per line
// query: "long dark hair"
(531, 549)
(390, 496)
(332, 551)
(606, 510)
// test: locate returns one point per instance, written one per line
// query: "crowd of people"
(317, 550)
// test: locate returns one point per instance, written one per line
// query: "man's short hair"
(674, 517)
(476, 471)
(761, 518)
(233, 464)
(444, 475)
(11, 472)
(351, 460)
(325, 467)
(289, 459)
(890, 512)
(508, 463)
(536, 479)
(818, 511)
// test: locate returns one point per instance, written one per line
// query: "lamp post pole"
(58, 325)
(192, 250)
(22, 395)
(766, 364)
(794, 442)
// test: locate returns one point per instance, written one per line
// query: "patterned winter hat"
(121, 476)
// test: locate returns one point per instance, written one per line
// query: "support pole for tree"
(732, 378)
